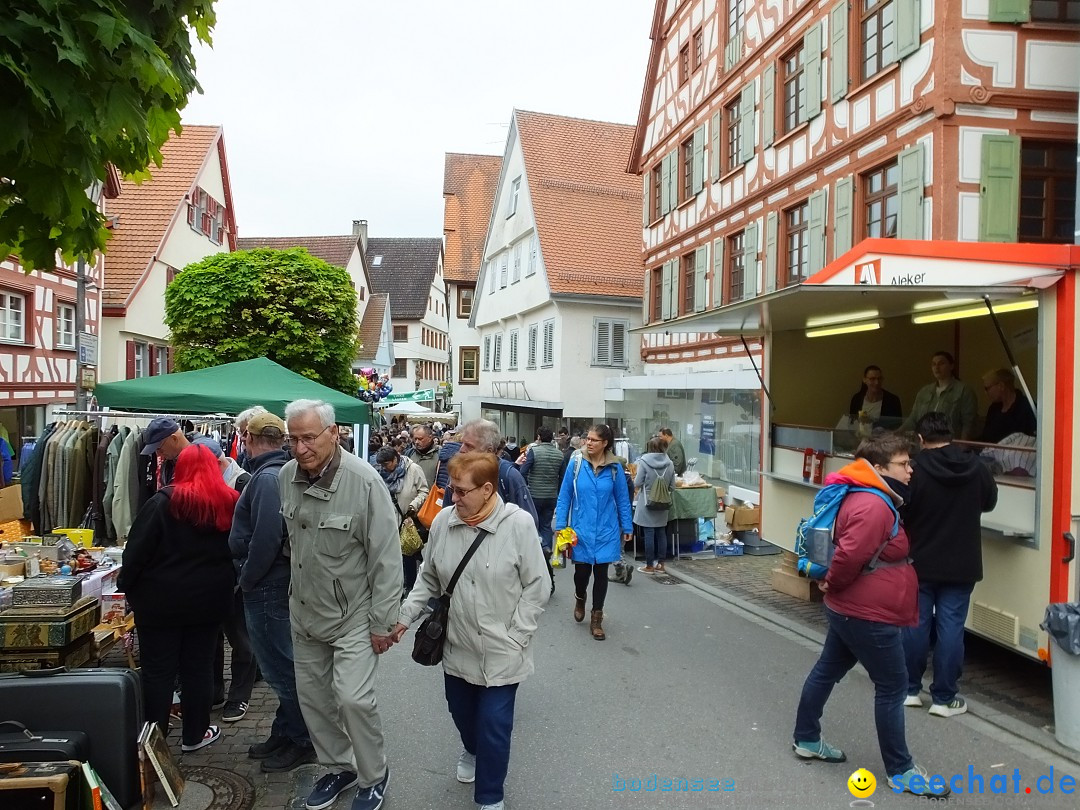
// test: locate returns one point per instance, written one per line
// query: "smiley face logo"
(862, 784)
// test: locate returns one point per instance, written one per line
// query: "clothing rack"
(105, 414)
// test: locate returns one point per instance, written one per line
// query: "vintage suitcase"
(20, 744)
(107, 703)
(40, 786)
(47, 591)
(73, 655)
(29, 627)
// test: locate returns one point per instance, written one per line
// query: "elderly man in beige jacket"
(346, 589)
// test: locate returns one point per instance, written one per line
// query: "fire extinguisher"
(819, 466)
(807, 463)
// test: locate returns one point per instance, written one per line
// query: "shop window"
(881, 201)
(12, 317)
(686, 167)
(684, 64)
(797, 244)
(65, 326)
(469, 365)
(793, 67)
(534, 333)
(686, 283)
(401, 333)
(736, 249)
(1047, 191)
(733, 127)
(878, 26)
(1061, 11)
(401, 368)
(699, 48)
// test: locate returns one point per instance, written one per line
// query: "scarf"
(483, 514)
(395, 478)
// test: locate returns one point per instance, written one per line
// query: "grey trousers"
(335, 682)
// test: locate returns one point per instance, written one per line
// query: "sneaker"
(915, 781)
(913, 700)
(648, 569)
(954, 707)
(818, 750)
(234, 710)
(212, 735)
(287, 757)
(329, 788)
(660, 568)
(466, 767)
(372, 798)
(496, 806)
(268, 748)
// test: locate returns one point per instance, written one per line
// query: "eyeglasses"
(458, 492)
(904, 464)
(307, 441)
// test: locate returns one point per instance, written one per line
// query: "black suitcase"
(19, 744)
(107, 703)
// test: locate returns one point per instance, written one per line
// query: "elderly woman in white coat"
(494, 612)
(652, 465)
(408, 490)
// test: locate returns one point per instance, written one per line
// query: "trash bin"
(1062, 622)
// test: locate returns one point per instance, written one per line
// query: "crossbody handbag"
(431, 635)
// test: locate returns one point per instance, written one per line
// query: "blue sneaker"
(915, 782)
(818, 750)
(329, 788)
(371, 798)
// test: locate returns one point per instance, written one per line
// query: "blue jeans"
(545, 511)
(267, 609)
(943, 609)
(484, 716)
(879, 648)
(655, 544)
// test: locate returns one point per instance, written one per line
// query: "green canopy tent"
(229, 389)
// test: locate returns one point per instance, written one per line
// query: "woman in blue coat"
(595, 502)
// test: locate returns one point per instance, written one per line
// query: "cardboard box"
(744, 518)
(11, 503)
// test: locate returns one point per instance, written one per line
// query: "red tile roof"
(469, 184)
(587, 208)
(146, 210)
(334, 250)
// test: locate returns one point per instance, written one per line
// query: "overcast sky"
(336, 110)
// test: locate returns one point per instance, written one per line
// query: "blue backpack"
(814, 540)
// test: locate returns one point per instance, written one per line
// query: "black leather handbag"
(431, 635)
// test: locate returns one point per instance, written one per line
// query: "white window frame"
(142, 368)
(603, 341)
(496, 360)
(490, 272)
(548, 359)
(516, 277)
(200, 210)
(504, 262)
(12, 317)
(487, 354)
(513, 359)
(534, 251)
(65, 313)
(534, 334)
(515, 192)
(162, 359)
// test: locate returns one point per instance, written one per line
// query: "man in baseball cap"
(164, 436)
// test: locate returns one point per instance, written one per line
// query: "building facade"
(468, 193)
(559, 288)
(183, 214)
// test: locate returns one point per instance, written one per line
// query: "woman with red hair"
(178, 577)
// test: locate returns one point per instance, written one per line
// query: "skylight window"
(377, 261)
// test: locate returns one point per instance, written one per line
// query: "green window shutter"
(772, 228)
(665, 292)
(698, 180)
(746, 124)
(718, 272)
(750, 262)
(733, 51)
(999, 191)
(812, 71)
(838, 51)
(1010, 11)
(843, 216)
(646, 214)
(908, 35)
(673, 284)
(665, 202)
(701, 264)
(909, 219)
(714, 147)
(816, 231)
(768, 105)
(673, 178)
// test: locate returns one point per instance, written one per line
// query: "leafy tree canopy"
(85, 84)
(286, 305)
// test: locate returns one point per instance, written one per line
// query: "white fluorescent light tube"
(847, 317)
(973, 312)
(843, 329)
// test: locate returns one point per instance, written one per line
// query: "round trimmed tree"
(286, 305)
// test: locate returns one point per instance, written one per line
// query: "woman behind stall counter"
(947, 395)
(878, 406)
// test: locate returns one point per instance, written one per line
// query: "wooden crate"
(74, 655)
(25, 628)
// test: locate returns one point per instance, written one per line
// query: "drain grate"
(666, 579)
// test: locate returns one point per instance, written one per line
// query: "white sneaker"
(954, 707)
(496, 806)
(913, 700)
(212, 735)
(466, 767)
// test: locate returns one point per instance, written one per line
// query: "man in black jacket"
(950, 489)
(256, 541)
